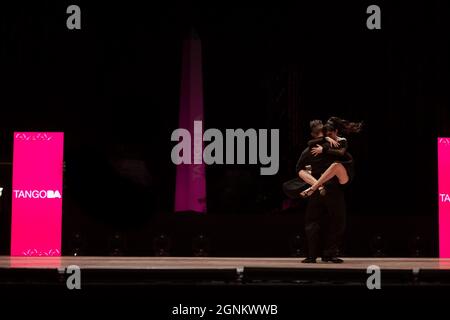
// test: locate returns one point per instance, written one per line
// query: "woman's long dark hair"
(343, 126)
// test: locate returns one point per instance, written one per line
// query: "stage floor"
(151, 271)
(143, 263)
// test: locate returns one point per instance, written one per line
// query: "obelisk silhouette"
(190, 193)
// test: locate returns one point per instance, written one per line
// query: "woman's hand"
(333, 143)
(316, 150)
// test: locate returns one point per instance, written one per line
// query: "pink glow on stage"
(37, 194)
(190, 193)
(444, 196)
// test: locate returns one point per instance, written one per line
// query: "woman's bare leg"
(335, 169)
(307, 177)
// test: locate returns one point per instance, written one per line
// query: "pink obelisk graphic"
(444, 196)
(190, 193)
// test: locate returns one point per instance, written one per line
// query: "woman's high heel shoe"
(322, 191)
(308, 192)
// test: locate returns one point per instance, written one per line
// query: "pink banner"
(444, 196)
(37, 194)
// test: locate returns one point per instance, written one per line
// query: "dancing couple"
(323, 169)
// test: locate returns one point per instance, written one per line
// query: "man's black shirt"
(318, 163)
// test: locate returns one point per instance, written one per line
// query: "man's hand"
(316, 150)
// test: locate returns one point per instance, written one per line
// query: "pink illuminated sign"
(37, 194)
(444, 196)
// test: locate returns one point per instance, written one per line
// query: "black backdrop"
(113, 88)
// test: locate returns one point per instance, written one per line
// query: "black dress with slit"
(319, 164)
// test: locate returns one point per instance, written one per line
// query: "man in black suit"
(326, 209)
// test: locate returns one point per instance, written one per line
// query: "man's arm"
(315, 142)
(336, 151)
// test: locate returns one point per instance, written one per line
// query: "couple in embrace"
(323, 169)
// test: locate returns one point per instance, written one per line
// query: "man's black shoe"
(309, 260)
(332, 259)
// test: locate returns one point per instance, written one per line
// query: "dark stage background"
(113, 88)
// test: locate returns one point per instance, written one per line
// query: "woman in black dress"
(334, 146)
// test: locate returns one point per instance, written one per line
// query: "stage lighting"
(416, 246)
(378, 246)
(116, 244)
(77, 244)
(200, 246)
(296, 246)
(161, 245)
